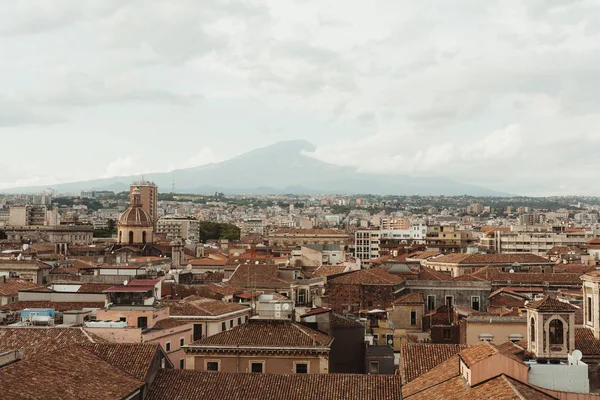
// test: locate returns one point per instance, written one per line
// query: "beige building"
(550, 324)
(531, 239)
(448, 239)
(149, 197)
(299, 237)
(262, 346)
(175, 226)
(492, 328)
(50, 234)
(398, 223)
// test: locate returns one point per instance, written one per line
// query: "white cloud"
(203, 157)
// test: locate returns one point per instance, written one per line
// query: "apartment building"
(532, 239)
(177, 226)
(448, 239)
(149, 196)
(366, 244)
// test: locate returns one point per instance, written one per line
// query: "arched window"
(532, 329)
(556, 332)
(130, 237)
(120, 237)
(144, 237)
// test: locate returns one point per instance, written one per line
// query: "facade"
(460, 264)
(173, 226)
(263, 346)
(148, 192)
(398, 223)
(537, 240)
(136, 226)
(299, 237)
(77, 234)
(492, 328)
(29, 270)
(550, 324)
(407, 316)
(448, 239)
(366, 244)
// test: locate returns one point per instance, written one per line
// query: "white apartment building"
(537, 240)
(175, 226)
(367, 240)
(366, 244)
(415, 234)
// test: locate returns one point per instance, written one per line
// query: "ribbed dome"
(135, 216)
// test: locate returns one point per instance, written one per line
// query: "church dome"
(135, 215)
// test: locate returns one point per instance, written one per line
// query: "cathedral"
(136, 226)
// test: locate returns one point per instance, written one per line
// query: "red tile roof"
(257, 275)
(373, 276)
(170, 323)
(327, 270)
(550, 304)
(201, 306)
(477, 353)
(11, 286)
(490, 259)
(74, 374)
(410, 298)
(586, 342)
(193, 385)
(268, 333)
(132, 358)
(418, 358)
(59, 306)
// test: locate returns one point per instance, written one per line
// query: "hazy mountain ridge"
(279, 168)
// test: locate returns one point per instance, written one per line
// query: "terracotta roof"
(94, 287)
(477, 353)
(11, 286)
(327, 270)
(37, 341)
(133, 358)
(586, 342)
(201, 306)
(422, 255)
(373, 276)
(496, 275)
(489, 259)
(256, 274)
(418, 358)
(501, 387)
(59, 306)
(75, 374)
(224, 288)
(429, 274)
(561, 250)
(550, 304)
(203, 262)
(316, 311)
(410, 298)
(268, 333)
(169, 323)
(573, 268)
(193, 385)
(441, 373)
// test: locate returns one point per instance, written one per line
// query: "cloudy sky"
(504, 94)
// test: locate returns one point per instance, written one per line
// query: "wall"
(461, 291)
(116, 313)
(173, 336)
(496, 365)
(274, 364)
(62, 297)
(400, 316)
(347, 350)
(499, 331)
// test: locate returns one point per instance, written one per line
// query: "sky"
(502, 94)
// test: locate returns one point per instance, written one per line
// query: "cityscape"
(299, 199)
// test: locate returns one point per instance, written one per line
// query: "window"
(389, 339)
(168, 346)
(556, 332)
(413, 318)
(446, 334)
(197, 332)
(257, 367)
(163, 363)
(486, 337)
(532, 330)
(123, 319)
(181, 341)
(302, 368)
(223, 326)
(142, 322)
(212, 366)
(374, 367)
(430, 303)
(182, 364)
(449, 301)
(231, 324)
(589, 309)
(246, 319)
(375, 337)
(239, 321)
(515, 337)
(475, 303)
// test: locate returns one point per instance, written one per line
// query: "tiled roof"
(206, 262)
(326, 270)
(224, 289)
(501, 387)
(73, 373)
(496, 275)
(201, 306)
(561, 250)
(268, 333)
(133, 358)
(497, 319)
(421, 255)
(477, 353)
(550, 304)
(429, 274)
(410, 298)
(57, 305)
(373, 276)
(11, 286)
(573, 268)
(586, 342)
(418, 358)
(169, 323)
(256, 274)
(94, 287)
(444, 371)
(489, 259)
(315, 311)
(193, 385)
(37, 341)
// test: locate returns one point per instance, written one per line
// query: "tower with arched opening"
(135, 224)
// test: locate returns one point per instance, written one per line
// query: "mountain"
(279, 168)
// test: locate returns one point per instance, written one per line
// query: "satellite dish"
(577, 355)
(511, 271)
(286, 306)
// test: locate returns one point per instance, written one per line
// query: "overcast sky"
(504, 94)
